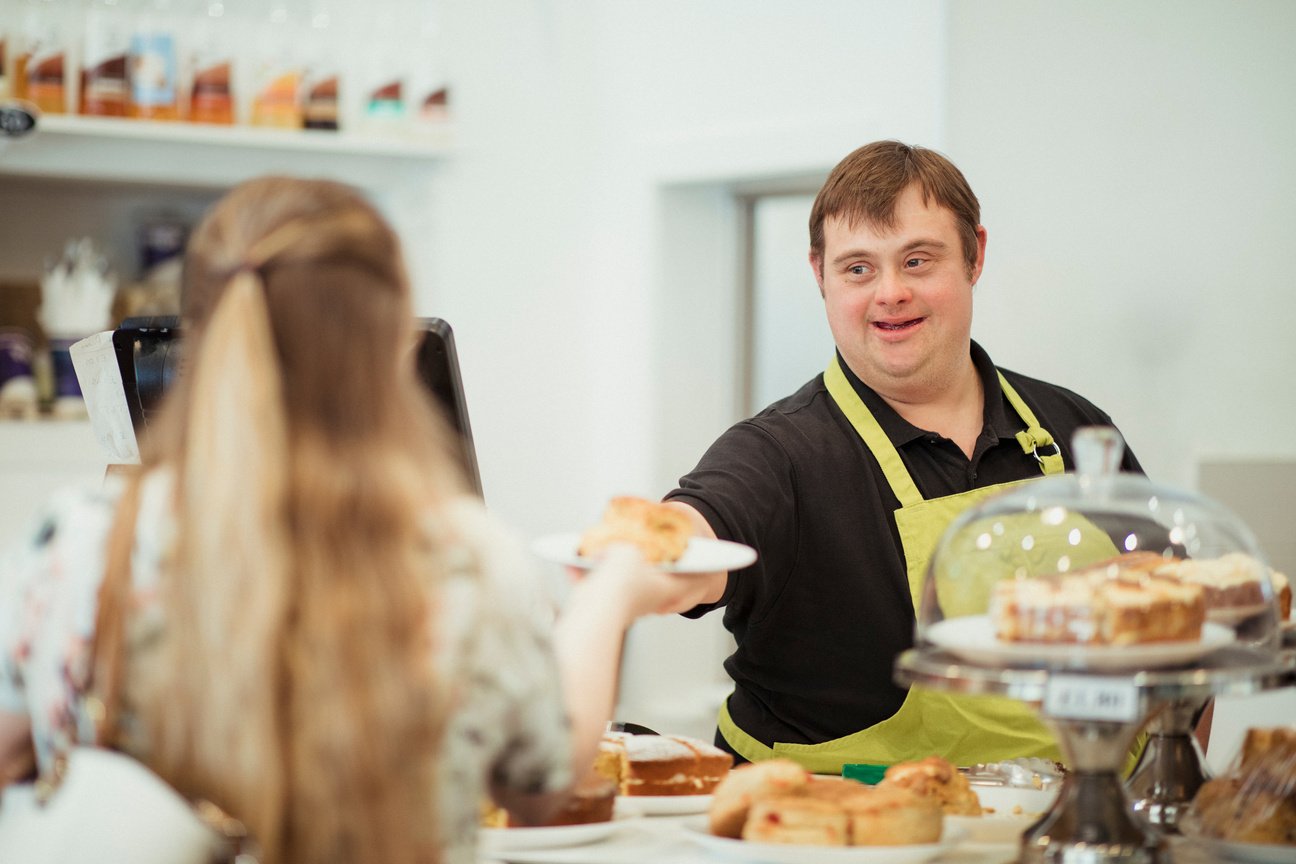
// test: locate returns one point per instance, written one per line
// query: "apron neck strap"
(1034, 436)
(867, 426)
(1031, 439)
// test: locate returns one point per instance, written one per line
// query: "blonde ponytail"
(229, 579)
(293, 683)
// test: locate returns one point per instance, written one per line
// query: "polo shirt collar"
(901, 431)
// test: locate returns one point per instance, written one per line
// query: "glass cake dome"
(1098, 570)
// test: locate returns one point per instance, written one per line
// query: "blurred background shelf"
(196, 155)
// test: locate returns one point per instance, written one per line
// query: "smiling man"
(845, 486)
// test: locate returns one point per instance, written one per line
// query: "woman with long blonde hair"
(302, 616)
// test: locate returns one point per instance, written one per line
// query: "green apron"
(963, 729)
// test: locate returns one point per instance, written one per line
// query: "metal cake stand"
(1096, 716)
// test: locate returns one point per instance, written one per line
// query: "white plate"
(1015, 810)
(701, 556)
(1015, 800)
(972, 638)
(662, 805)
(789, 853)
(493, 841)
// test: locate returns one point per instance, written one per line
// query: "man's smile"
(898, 326)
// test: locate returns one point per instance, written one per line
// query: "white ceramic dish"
(661, 805)
(1012, 811)
(497, 841)
(1015, 800)
(787, 853)
(701, 556)
(973, 639)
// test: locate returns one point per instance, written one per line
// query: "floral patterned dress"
(495, 646)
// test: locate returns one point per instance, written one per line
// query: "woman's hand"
(625, 582)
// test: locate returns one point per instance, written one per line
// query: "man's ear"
(816, 264)
(981, 253)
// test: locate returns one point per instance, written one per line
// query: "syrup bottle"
(152, 66)
(276, 89)
(211, 91)
(105, 44)
(40, 70)
(321, 85)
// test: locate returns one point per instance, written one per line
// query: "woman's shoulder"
(477, 545)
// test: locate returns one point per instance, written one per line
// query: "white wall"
(586, 130)
(585, 244)
(1136, 172)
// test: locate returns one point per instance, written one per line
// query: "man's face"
(899, 302)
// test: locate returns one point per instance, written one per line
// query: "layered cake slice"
(661, 764)
(1231, 583)
(1111, 603)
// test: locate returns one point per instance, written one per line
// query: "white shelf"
(190, 154)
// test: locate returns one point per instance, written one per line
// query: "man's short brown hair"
(866, 185)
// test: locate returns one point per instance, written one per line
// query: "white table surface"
(660, 840)
(666, 840)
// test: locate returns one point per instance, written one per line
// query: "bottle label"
(386, 101)
(321, 108)
(153, 70)
(103, 88)
(277, 103)
(212, 99)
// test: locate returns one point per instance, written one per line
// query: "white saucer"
(701, 556)
(973, 639)
(791, 853)
(662, 805)
(494, 841)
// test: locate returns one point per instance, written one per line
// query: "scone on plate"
(779, 802)
(882, 816)
(789, 819)
(749, 783)
(937, 779)
(659, 531)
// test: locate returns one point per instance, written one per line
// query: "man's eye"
(915, 262)
(858, 269)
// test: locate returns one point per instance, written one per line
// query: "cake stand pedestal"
(1097, 716)
(1169, 773)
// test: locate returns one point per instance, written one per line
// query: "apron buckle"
(1056, 454)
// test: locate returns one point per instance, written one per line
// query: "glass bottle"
(152, 65)
(429, 80)
(41, 65)
(211, 61)
(384, 82)
(6, 48)
(105, 44)
(322, 82)
(276, 88)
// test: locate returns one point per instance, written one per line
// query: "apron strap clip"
(1033, 438)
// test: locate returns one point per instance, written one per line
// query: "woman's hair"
(865, 186)
(294, 685)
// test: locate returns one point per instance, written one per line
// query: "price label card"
(1090, 697)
